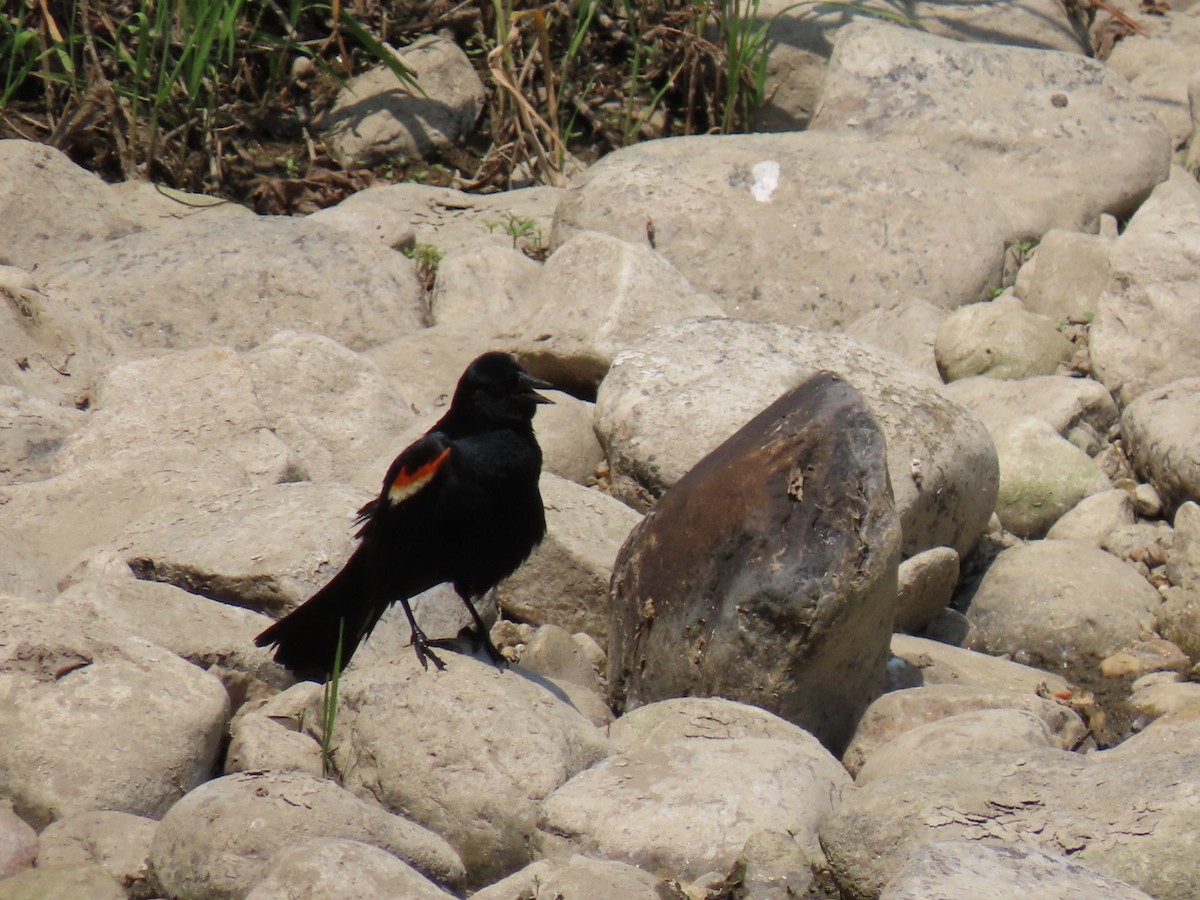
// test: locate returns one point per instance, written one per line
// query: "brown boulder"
(767, 574)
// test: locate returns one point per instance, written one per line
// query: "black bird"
(460, 505)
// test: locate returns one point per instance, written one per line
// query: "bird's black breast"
(493, 508)
(472, 525)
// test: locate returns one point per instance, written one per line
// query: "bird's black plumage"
(460, 505)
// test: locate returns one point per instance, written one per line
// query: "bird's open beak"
(531, 382)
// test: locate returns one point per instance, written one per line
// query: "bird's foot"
(477, 639)
(421, 645)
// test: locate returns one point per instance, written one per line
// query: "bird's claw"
(421, 645)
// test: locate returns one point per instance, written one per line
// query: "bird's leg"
(419, 641)
(485, 636)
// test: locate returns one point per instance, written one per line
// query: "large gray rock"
(823, 251)
(673, 396)
(202, 631)
(768, 572)
(474, 772)
(576, 878)
(925, 587)
(1160, 429)
(688, 807)
(451, 221)
(332, 407)
(593, 296)
(50, 206)
(1060, 603)
(331, 868)
(978, 732)
(120, 842)
(898, 713)
(97, 720)
(1142, 336)
(18, 842)
(1000, 872)
(1130, 817)
(290, 539)
(1159, 65)
(217, 842)
(939, 663)
(483, 278)
(908, 331)
(105, 495)
(1013, 120)
(80, 881)
(204, 398)
(237, 281)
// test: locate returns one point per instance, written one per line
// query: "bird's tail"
(306, 639)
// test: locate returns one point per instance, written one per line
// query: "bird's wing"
(410, 473)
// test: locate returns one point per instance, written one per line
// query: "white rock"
(1092, 518)
(1056, 801)
(51, 206)
(977, 733)
(332, 407)
(801, 38)
(593, 296)
(926, 586)
(118, 841)
(202, 398)
(266, 549)
(576, 878)
(940, 663)
(1079, 409)
(908, 330)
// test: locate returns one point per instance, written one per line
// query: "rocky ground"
(981, 234)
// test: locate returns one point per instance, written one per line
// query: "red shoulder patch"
(408, 481)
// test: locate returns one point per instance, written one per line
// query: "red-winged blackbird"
(460, 505)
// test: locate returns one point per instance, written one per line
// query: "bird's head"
(495, 390)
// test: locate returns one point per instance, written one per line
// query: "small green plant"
(428, 258)
(519, 229)
(329, 708)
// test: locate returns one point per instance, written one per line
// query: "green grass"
(329, 709)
